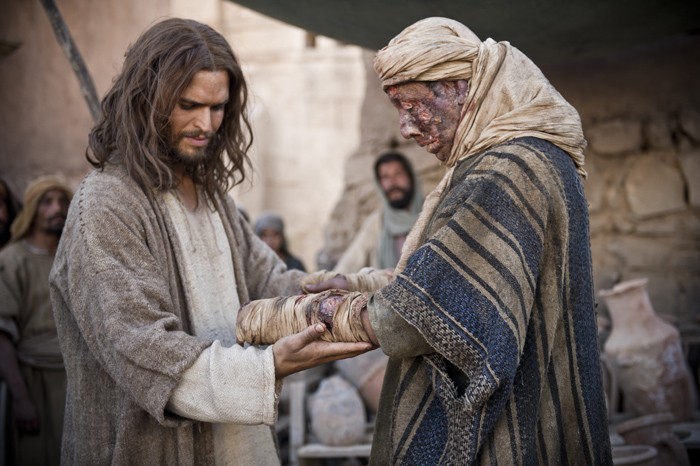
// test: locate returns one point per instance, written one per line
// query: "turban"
(32, 195)
(508, 95)
(508, 98)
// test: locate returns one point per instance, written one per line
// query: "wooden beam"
(60, 29)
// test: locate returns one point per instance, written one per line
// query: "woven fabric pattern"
(501, 288)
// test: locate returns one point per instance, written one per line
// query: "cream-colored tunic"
(235, 392)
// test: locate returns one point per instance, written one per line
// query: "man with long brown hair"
(154, 263)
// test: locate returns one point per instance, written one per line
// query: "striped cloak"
(501, 290)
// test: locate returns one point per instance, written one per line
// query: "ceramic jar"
(646, 354)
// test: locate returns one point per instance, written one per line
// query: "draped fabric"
(508, 97)
(501, 290)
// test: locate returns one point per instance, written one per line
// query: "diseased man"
(154, 263)
(378, 243)
(30, 357)
(489, 322)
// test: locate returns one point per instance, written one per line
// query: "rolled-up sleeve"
(229, 385)
(398, 338)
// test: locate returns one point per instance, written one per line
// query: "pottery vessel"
(634, 455)
(646, 354)
(656, 430)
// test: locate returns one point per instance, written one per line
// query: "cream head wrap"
(36, 189)
(508, 97)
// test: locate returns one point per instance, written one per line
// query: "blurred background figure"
(270, 228)
(9, 207)
(30, 357)
(378, 244)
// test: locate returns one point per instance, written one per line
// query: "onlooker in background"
(379, 242)
(30, 357)
(270, 229)
(378, 245)
(9, 207)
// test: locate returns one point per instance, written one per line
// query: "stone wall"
(641, 115)
(306, 93)
(44, 120)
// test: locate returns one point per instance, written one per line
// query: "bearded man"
(30, 357)
(154, 263)
(380, 240)
(489, 322)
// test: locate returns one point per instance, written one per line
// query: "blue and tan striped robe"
(491, 326)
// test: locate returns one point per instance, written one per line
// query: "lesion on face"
(429, 114)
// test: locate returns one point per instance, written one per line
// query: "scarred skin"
(430, 113)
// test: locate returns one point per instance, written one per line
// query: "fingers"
(337, 282)
(311, 333)
(316, 287)
(305, 349)
(334, 351)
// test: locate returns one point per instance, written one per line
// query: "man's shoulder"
(109, 177)
(531, 155)
(109, 186)
(13, 253)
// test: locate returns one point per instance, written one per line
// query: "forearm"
(397, 338)
(9, 369)
(229, 385)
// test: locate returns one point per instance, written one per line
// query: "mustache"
(196, 134)
(58, 216)
(400, 190)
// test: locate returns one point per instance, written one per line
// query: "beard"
(402, 202)
(55, 225)
(192, 157)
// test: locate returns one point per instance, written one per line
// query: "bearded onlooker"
(30, 358)
(379, 242)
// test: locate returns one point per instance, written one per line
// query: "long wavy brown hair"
(134, 128)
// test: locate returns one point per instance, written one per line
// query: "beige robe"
(125, 325)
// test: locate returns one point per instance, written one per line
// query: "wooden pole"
(60, 28)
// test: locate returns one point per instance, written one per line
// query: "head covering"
(36, 189)
(508, 95)
(272, 221)
(269, 221)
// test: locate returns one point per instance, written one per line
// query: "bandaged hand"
(265, 321)
(367, 279)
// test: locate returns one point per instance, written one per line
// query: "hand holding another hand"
(305, 349)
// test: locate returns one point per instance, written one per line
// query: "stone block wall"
(643, 200)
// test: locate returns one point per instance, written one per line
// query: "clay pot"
(646, 354)
(366, 373)
(656, 430)
(337, 413)
(634, 455)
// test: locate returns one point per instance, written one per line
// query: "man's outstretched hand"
(338, 282)
(304, 350)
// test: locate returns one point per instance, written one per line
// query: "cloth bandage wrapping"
(367, 279)
(265, 321)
